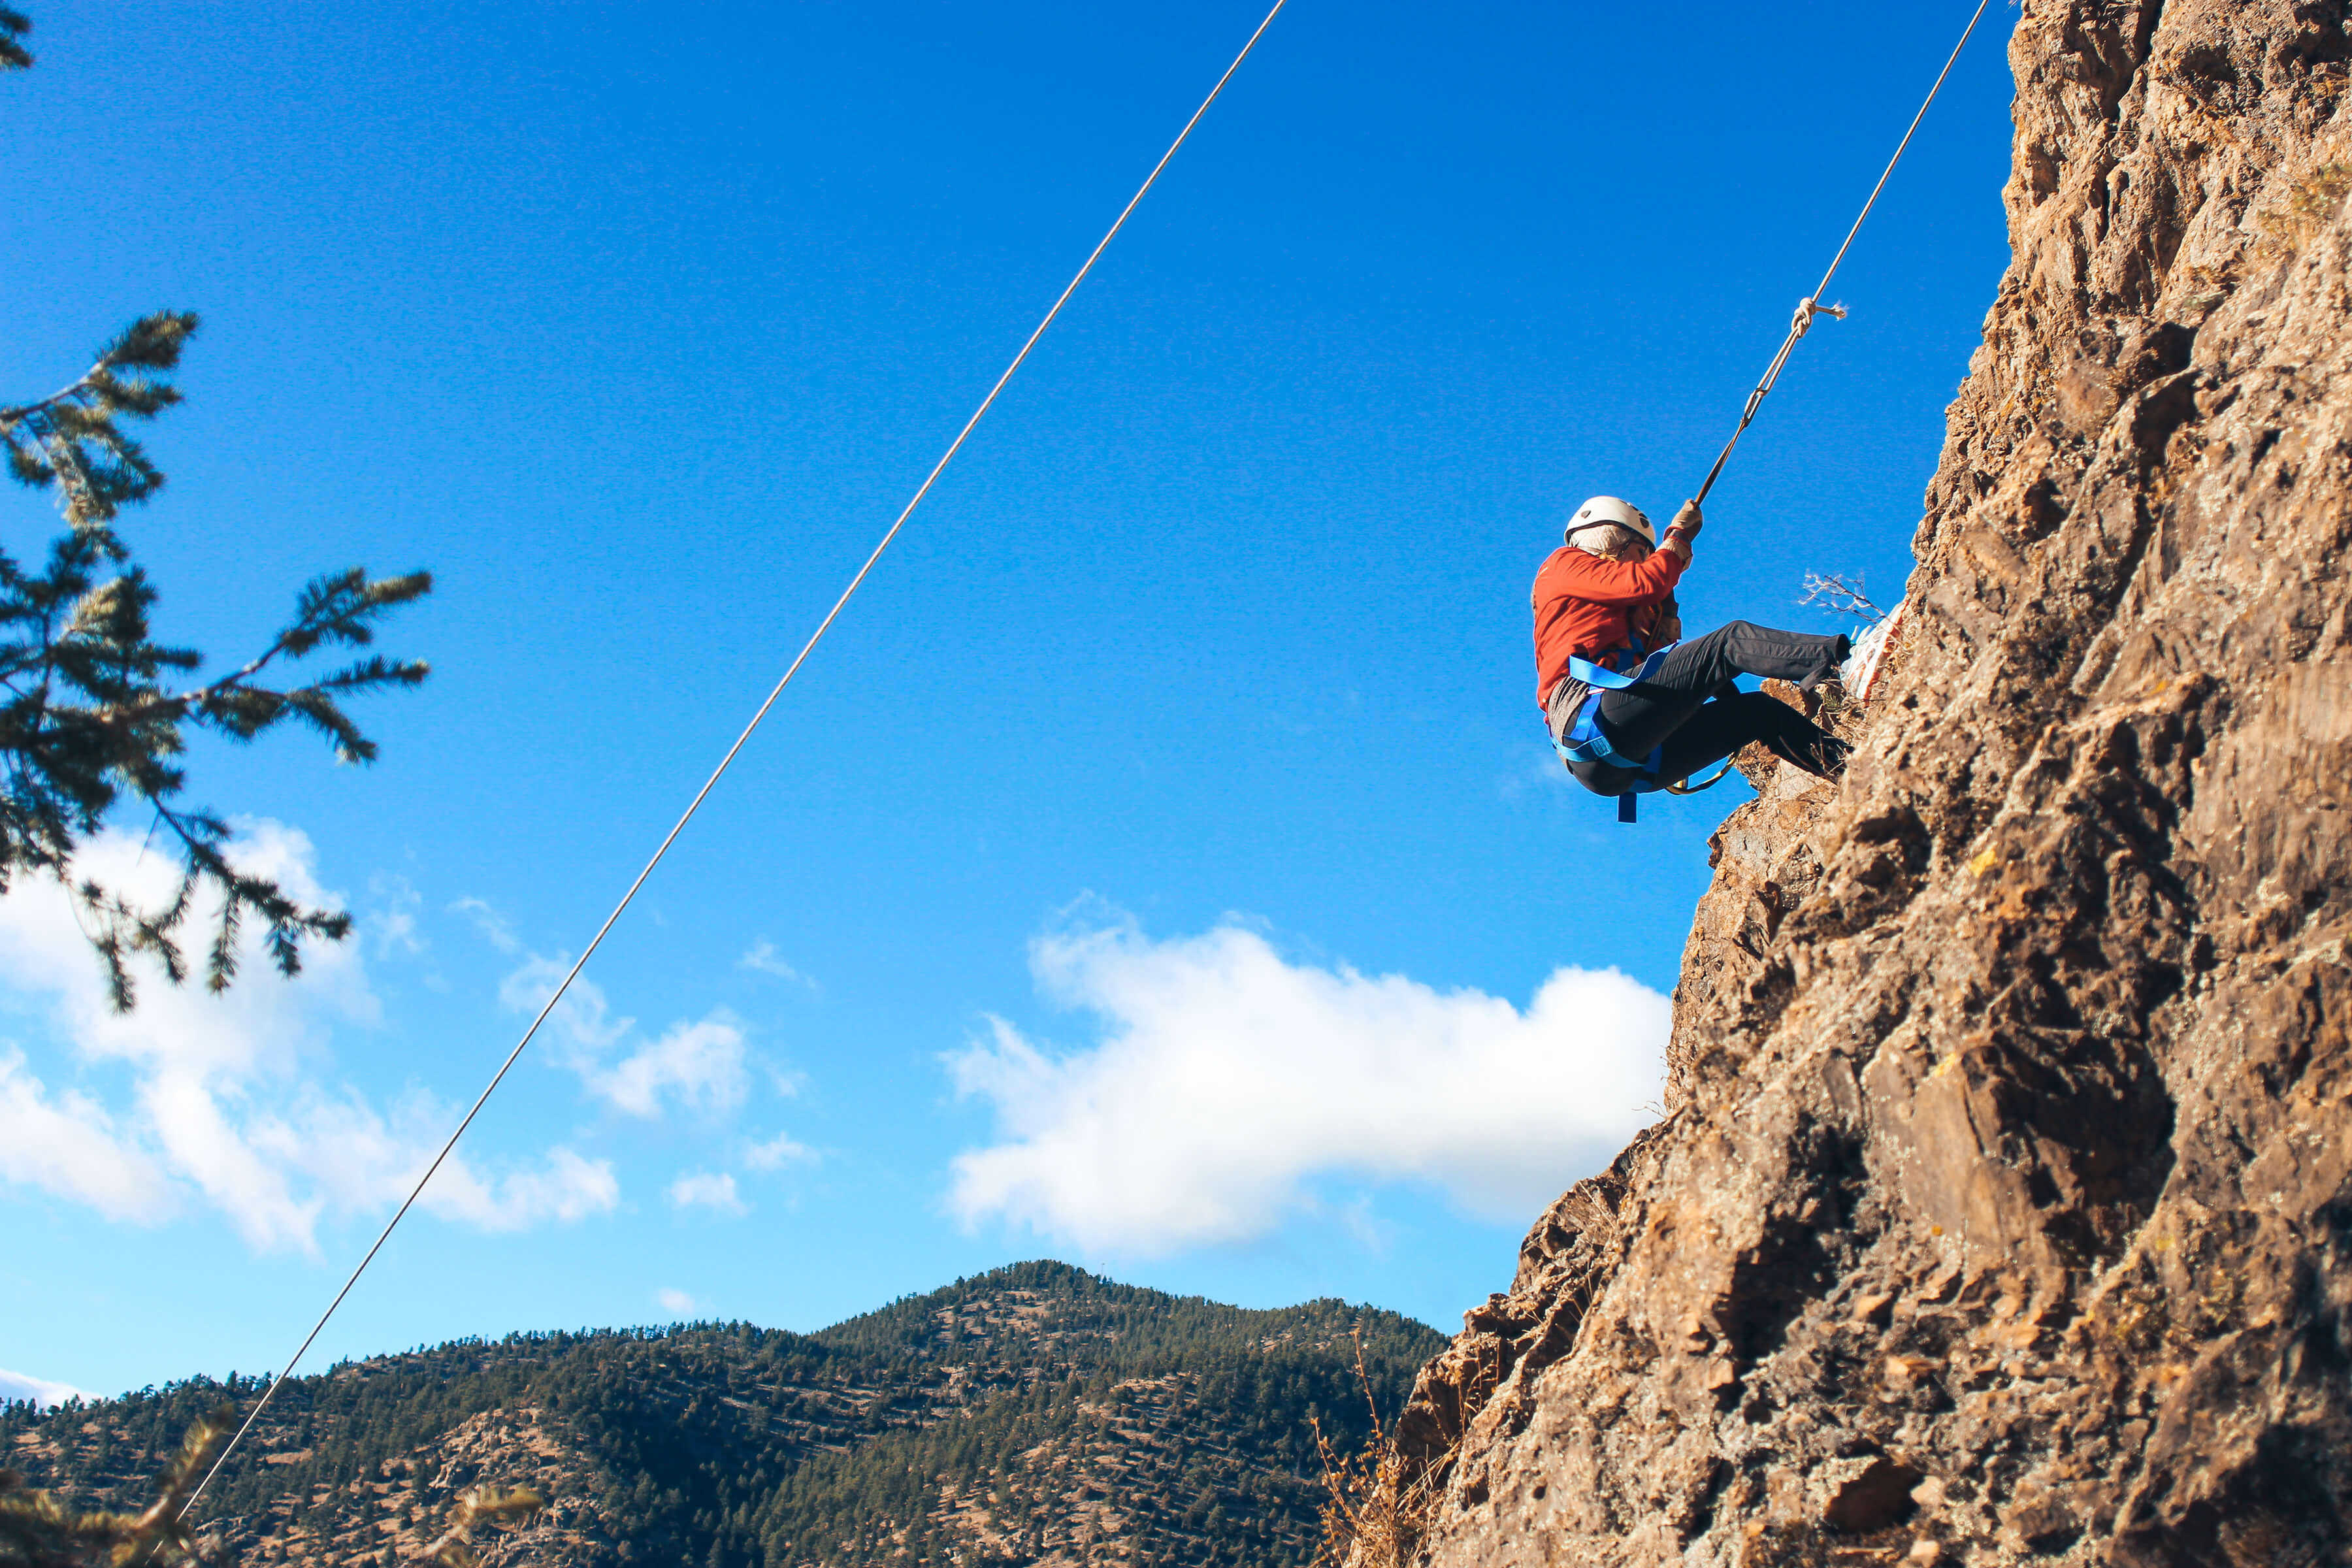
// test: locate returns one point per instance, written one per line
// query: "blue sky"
(1161, 866)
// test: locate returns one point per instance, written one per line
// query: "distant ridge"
(1036, 1414)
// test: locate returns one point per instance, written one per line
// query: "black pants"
(1692, 714)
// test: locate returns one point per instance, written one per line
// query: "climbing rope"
(709, 784)
(1811, 305)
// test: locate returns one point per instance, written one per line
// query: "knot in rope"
(1807, 309)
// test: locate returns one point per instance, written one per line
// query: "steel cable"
(709, 784)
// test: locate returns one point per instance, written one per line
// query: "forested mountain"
(1035, 1414)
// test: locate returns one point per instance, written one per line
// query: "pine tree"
(95, 712)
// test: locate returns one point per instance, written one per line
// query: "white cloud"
(705, 1189)
(777, 1152)
(676, 1303)
(583, 1017)
(16, 1385)
(1227, 1079)
(764, 959)
(1535, 768)
(569, 1188)
(67, 1145)
(223, 1099)
(393, 922)
(494, 928)
(698, 1065)
(360, 1159)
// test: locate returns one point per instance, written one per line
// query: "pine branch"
(338, 609)
(13, 25)
(342, 609)
(123, 928)
(88, 715)
(478, 1507)
(38, 1531)
(70, 439)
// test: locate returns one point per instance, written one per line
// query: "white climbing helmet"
(1609, 509)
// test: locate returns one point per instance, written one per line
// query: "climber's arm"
(1577, 576)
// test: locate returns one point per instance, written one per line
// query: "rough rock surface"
(2003, 1213)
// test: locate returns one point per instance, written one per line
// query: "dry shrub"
(2311, 203)
(477, 1507)
(1593, 1214)
(39, 1531)
(1380, 1504)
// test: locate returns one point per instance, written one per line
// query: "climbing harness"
(1585, 742)
(711, 783)
(1811, 305)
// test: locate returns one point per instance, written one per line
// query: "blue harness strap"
(1584, 742)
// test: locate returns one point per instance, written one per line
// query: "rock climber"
(1605, 600)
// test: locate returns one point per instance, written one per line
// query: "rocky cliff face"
(2005, 1211)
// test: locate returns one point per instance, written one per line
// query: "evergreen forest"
(1035, 1415)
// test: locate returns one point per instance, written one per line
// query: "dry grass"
(1377, 1513)
(1592, 1214)
(2311, 203)
(1380, 1504)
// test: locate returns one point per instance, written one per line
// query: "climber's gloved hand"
(1682, 530)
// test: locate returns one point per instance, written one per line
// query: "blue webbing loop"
(1584, 740)
(1601, 675)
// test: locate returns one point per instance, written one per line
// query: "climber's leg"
(1640, 717)
(1721, 728)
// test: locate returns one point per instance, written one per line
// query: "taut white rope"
(699, 796)
(1810, 306)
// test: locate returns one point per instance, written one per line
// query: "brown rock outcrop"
(2004, 1213)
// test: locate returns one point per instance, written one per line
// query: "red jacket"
(1588, 607)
